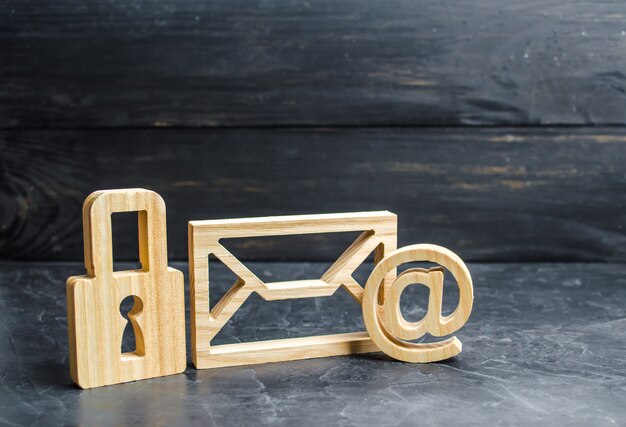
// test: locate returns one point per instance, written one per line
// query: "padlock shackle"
(97, 231)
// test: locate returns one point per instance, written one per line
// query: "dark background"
(493, 128)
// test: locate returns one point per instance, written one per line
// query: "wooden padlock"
(95, 323)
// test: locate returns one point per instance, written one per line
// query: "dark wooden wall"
(494, 128)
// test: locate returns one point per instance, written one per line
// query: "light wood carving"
(379, 234)
(386, 325)
(95, 323)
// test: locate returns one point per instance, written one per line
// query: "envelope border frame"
(378, 235)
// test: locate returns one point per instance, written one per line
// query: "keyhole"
(132, 339)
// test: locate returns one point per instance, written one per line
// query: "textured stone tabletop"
(545, 345)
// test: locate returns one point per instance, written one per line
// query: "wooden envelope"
(379, 234)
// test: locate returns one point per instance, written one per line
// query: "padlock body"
(96, 326)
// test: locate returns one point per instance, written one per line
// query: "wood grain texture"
(378, 234)
(95, 324)
(183, 63)
(381, 320)
(490, 194)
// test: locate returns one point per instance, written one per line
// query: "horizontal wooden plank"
(70, 63)
(489, 194)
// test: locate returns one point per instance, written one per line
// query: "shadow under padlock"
(95, 324)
